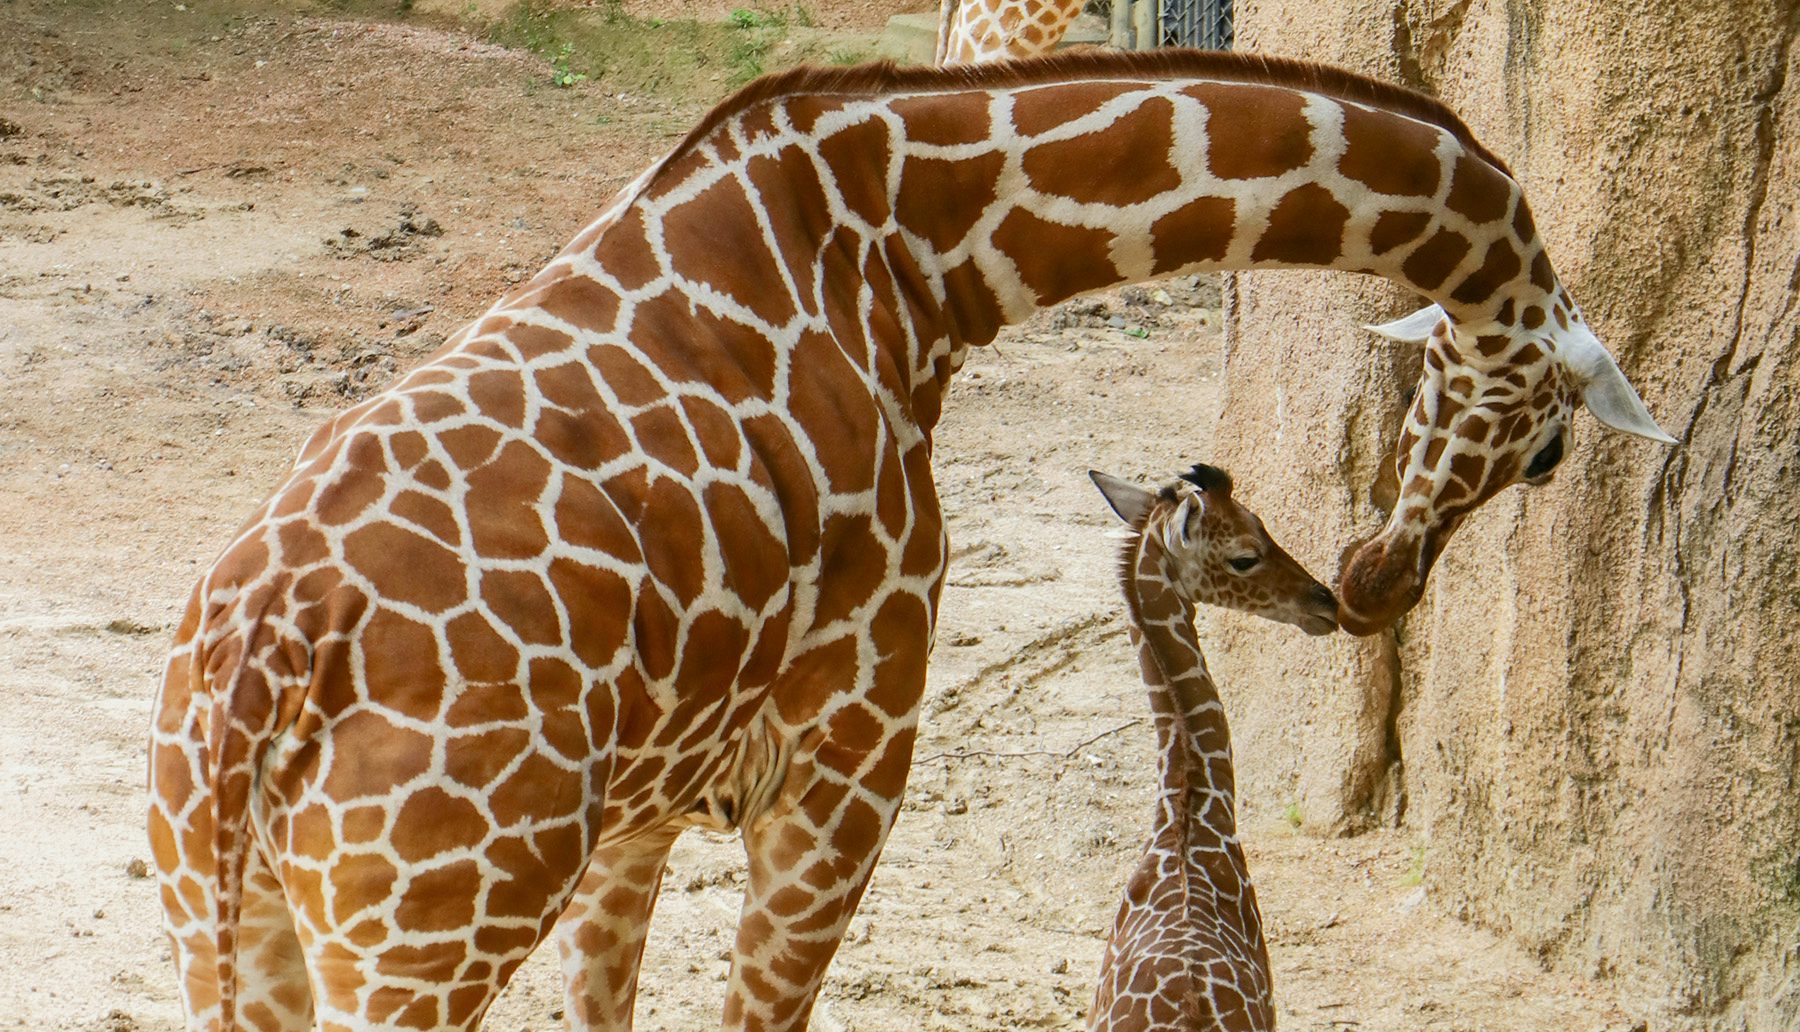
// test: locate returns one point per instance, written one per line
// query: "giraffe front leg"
(601, 933)
(811, 853)
(810, 860)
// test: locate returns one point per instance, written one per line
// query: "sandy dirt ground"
(218, 223)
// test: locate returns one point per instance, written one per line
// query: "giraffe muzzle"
(1383, 579)
(1323, 618)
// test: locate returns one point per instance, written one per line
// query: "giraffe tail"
(231, 755)
(244, 716)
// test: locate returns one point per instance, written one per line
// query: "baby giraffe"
(1187, 948)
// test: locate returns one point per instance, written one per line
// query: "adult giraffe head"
(1495, 405)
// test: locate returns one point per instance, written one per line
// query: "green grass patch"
(681, 57)
(674, 57)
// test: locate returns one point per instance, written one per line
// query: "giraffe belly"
(747, 780)
(694, 750)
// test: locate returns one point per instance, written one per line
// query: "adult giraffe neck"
(877, 222)
(983, 194)
(910, 214)
(1196, 794)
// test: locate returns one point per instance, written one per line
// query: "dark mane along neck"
(1221, 66)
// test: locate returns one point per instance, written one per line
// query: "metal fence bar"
(1143, 24)
(1118, 24)
(1194, 23)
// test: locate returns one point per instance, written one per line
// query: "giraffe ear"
(1129, 502)
(1410, 329)
(1176, 532)
(1604, 389)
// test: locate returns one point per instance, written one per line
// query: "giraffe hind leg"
(273, 994)
(420, 927)
(601, 933)
(812, 850)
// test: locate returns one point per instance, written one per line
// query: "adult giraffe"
(655, 542)
(979, 31)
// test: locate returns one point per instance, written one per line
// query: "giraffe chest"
(715, 755)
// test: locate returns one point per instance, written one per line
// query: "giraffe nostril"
(1323, 596)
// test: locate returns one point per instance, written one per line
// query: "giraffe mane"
(1128, 556)
(1129, 550)
(885, 77)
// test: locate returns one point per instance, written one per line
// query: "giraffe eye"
(1545, 460)
(1245, 563)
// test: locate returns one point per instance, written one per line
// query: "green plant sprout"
(560, 73)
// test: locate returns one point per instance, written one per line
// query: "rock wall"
(1592, 721)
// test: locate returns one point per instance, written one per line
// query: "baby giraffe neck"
(1196, 795)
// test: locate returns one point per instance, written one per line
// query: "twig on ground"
(1066, 754)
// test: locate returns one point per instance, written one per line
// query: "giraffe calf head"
(1494, 407)
(1216, 551)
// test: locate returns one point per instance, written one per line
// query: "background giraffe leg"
(601, 933)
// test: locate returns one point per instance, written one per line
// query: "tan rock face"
(1593, 718)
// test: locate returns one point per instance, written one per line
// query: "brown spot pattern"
(1055, 261)
(1305, 228)
(1253, 132)
(1435, 259)
(1389, 153)
(1199, 231)
(1075, 168)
